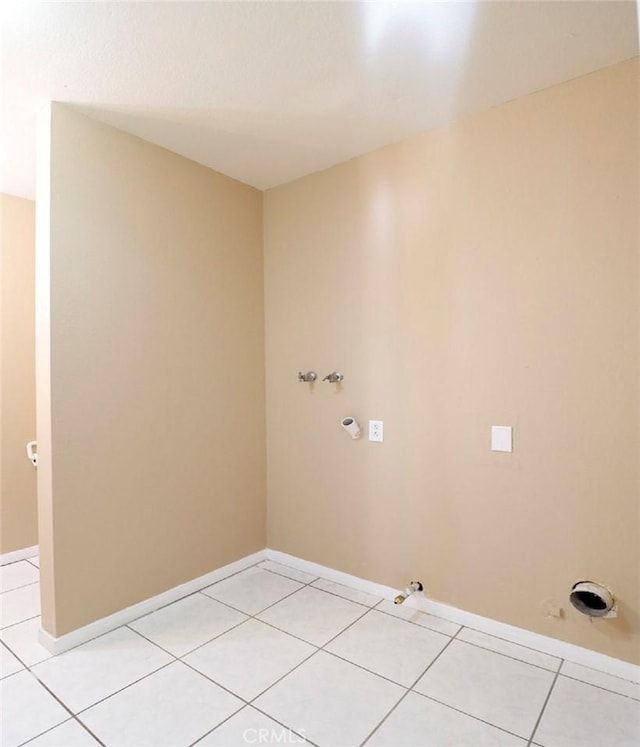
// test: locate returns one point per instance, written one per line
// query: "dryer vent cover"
(592, 599)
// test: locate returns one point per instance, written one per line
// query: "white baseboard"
(24, 554)
(547, 645)
(339, 577)
(127, 615)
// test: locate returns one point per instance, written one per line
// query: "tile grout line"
(303, 640)
(318, 649)
(198, 647)
(304, 738)
(286, 674)
(13, 625)
(121, 689)
(249, 703)
(256, 617)
(168, 604)
(506, 640)
(290, 594)
(174, 657)
(597, 671)
(310, 584)
(245, 703)
(125, 625)
(15, 562)
(66, 708)
(81, 724)
(15, 588)
(51, 728)
(469, 715)
(368, 608)
(333, 593)
(83, 710)
(284, 575)
(177, 659)
(364, 669)
(410, 689)
(544, 705)
(635, 698)
(346, 598)
(262, 692)
(420, 612)
(507, 656)
(470, 643)
(22, 664)
(244, 707)
(224, 721)
(17, 657)
(412, 622)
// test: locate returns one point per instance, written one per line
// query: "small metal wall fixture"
(413, 587)
(310, 376)
(334, 377)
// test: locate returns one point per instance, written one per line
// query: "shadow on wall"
(18, 502)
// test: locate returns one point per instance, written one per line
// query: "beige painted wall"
(482, 274)
(18, 508)
(157, 372)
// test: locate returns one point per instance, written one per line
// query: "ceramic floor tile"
(284, 570)
(188, 623)
(17, 574)
(330, 701)
(389, 646)
(27, 709)
(250, 727)
(252, 590)
(69, 734)
(420, 618)
(502, 691)
(8, 662)
(86, 674)
(172, 707)
(353, 595)
(581, 715)
(420, 722)
(313, 615)
(22, 639)
(19, 604)
(249, 658)
(531, 656)
(607, 681)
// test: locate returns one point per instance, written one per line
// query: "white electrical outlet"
(376, 432)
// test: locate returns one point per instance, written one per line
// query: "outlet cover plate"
(376, 430)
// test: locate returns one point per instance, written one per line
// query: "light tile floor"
(272, 655)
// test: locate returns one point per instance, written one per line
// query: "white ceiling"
(269, 91)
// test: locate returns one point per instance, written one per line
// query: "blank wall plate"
(501, 438)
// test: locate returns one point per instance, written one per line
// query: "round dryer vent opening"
(592, 599)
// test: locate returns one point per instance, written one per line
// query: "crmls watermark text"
(272, 736)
